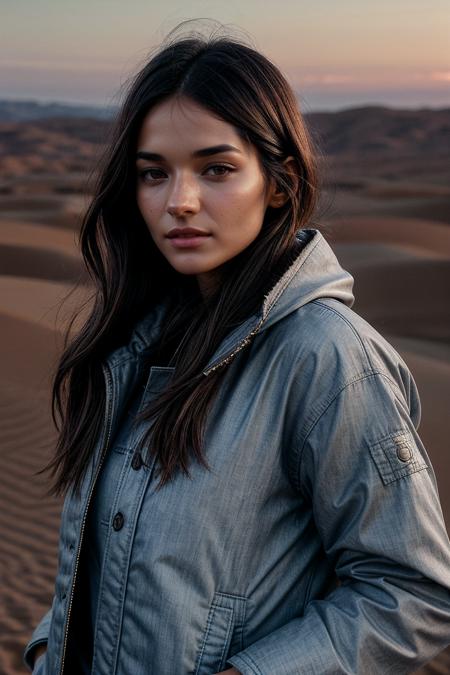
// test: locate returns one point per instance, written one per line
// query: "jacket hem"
(245, 664)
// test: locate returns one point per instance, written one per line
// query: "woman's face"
(194, 171)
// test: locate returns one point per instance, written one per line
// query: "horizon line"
(104, 107)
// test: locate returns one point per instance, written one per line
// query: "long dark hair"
(241, 86)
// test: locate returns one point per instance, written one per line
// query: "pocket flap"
(396, 456)
(224, 617)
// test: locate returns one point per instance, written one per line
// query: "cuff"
(28, 653)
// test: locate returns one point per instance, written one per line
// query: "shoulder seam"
(350, 325)
(359, 378)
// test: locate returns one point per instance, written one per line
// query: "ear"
(276, 196)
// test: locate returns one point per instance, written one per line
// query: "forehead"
(180, 120)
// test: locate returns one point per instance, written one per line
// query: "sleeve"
(39, 636)
(375, 503)
(39, 665)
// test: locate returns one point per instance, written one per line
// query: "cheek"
(252, 193)
(245, 209)
(148, 207)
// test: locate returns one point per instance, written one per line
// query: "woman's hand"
(230, 671)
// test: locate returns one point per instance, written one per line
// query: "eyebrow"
(204, 152)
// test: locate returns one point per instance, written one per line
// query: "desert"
(385, 209)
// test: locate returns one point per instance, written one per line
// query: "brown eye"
(149, 175)
(220, 169)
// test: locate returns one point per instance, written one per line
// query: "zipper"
(239, 347)
(269, 300)
(108, 410)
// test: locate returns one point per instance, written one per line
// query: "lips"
(186, 232)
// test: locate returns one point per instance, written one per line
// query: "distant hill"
(381, 130)
(19, 111)
(56, 138)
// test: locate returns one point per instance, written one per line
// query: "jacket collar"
(315, 273)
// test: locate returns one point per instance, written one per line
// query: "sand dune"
(28, 519)
(410, 232)
(29, 353)
(388, 219)
(62, 211)
(39, 252)
(30, 261)
(15, 232)
(402, 294)
(40, 300)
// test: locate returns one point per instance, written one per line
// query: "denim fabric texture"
(316, 544)
(39, 665)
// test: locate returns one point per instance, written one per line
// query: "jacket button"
(118, 521)
(136, 462)
(404, 453)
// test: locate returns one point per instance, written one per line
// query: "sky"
(336, 54)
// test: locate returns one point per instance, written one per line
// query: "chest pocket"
(223, 633)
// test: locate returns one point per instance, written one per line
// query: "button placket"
(127, 501)
(113, 582)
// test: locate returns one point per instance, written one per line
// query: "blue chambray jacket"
(316, 544)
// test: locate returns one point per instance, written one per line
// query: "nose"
(183, 197)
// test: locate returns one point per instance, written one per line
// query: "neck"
(208, 284)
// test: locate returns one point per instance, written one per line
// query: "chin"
(189, 269)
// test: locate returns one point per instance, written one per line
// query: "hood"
(315, 273)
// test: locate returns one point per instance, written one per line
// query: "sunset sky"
(336, 54)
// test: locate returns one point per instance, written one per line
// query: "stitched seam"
(395, 476)
(251, 663)
(359, 378)
(231, 595)
(226, 642)
(394, 471)
(205, 638)
(399, 432)
(209, 621)
(239, 606)
(395, 385)
(349, 324)
(127, 557)
(99, 619)
(358, 336)
(243, 625)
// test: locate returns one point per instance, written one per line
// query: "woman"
(271, 510)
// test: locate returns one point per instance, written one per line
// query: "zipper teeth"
(83, 524)
(240, 346)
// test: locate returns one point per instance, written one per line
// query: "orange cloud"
(441, 76)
